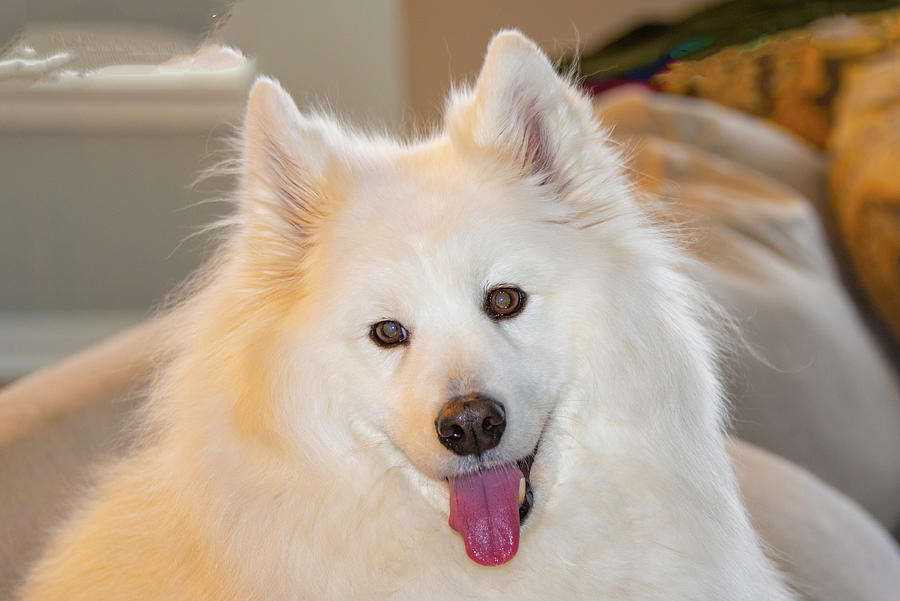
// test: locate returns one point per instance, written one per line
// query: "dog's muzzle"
(488, 504)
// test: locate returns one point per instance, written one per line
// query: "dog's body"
(296, 447)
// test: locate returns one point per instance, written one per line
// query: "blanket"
(835, 83)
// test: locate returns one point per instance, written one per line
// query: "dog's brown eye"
(504, 302)
(389, 333)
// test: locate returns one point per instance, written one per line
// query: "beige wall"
(346, 53)
(445, 41)
(391, 61)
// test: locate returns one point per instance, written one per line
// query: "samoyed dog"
(466, 367)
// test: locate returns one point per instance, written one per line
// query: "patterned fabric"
(837, 84)
(792, 78)
(864, 178)
(646, 50)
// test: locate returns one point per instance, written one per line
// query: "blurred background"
(99, 146)
(109, 110)
(767, 129)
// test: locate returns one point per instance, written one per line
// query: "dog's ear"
(523, 109)
(284, 156)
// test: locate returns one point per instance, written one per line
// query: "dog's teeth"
(521, 490)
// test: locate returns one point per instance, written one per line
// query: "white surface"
(23, 64)
(190, 92)
(77, 111)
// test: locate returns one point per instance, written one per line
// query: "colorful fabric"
(648, 49)
(835, 83)
(864, 178)
(791, 78)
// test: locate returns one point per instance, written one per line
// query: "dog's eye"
(504, 302)
(389, 333)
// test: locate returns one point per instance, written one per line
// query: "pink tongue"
(484, 509)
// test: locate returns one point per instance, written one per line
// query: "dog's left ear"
(524, 110)
(285, 153)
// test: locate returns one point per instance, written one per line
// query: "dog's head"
(466, 300)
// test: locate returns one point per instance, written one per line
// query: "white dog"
(461, 368)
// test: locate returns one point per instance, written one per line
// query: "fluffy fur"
(289, 457)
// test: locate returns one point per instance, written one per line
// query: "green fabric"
(707, 31)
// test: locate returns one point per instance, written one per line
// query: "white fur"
(305, 455)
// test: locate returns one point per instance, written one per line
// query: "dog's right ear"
(284, 155)
(521, 109)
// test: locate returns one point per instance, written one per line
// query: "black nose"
(470, 424)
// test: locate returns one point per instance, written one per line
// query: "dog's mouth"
(526, 495)
(488, 506)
